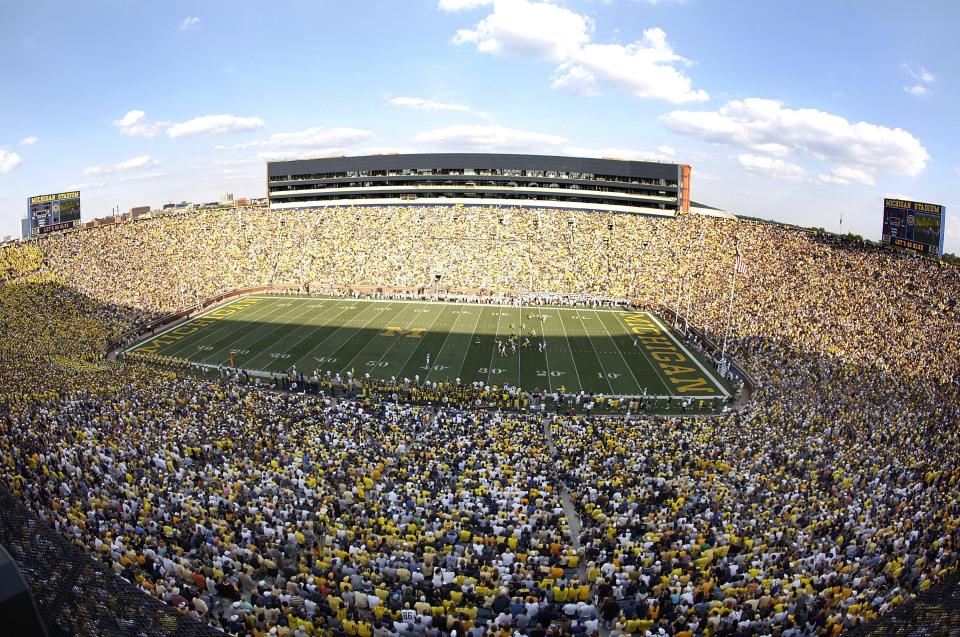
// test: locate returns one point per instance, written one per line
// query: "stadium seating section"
(826, 503)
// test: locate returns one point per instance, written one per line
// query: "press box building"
(639, 187)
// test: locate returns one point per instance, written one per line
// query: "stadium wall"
(610, 185)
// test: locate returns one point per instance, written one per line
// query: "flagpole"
(733, 287)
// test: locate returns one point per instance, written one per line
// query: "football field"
(610, 351)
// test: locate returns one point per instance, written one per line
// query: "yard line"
(236, 336)
(249, 325)
(519, 324)
(180, 344)
(546, 356)
(311, 329)
(237, 331)
(572, 357)
(414, 350)
(496, 333)
(463, 360)
(364, 346)
(444, 344)
(323, 340)
(622, 357)
(269, 333)
(696, 360)
(596, 355)
(654, 366)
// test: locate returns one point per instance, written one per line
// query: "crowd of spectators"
(827, 502)
(18, 260)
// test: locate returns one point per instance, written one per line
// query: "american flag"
(741, 264)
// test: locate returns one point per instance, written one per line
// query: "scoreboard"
(914, 225)
(51, 213)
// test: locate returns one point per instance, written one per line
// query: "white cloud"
(524, 29)
(919, 73)
(641, 69)
(275, 155)
(776, 168)
(620, 153)
(8, 160)
(28, 141)
(285, 155)
(190, 23)
(490, 137)
(383, 150)
(214, 125)
(541, 30)
(135, 163)
(461, 5)
(143, 176)
(576, 80)
(135, 124)
(421, 104)
(767, 126)
(316, 137)
(843, 175)
(923, 78)
(247, 161)
(87, 185)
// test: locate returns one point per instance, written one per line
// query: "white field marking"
(463, 360)
(265, 374)
(392, 343)
(417, 346)
(596, 354)
(178, 325)
(312, 329)
(269, 315)
(356, 331)
(696, 360)
(653, 365)
(496, 335)
(622, 357)
(216, 329)
(262, 352)
(573, 359)
(323, 340)
(397, 339)
(444, 344)
(519, 335)
(460, 303)
(546, 357)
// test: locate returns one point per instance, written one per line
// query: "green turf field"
(608, 351)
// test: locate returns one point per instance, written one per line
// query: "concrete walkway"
(573, 518)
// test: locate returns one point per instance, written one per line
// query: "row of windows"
(479, 195)
(506, 172)
(469, 184)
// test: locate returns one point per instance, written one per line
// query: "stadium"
(485, 419)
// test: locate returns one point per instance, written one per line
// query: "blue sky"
(795, 111)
